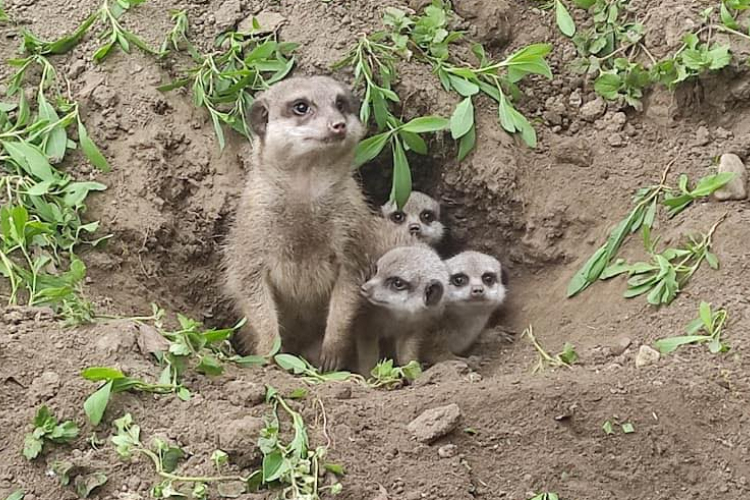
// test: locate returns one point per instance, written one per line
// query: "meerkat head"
(419, 217)
(306, 118)
(476, 280)
(409, 282)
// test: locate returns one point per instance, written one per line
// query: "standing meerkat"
(420, 217)
(297, 253)
(404, 302)
(477, 287)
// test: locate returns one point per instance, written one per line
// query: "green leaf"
(667, 345)
(608, 85)
(64, 433)
(414, 142)
(463, 86)
(16, 495)
(462, 119)
(97, 373)
(290, 363)
(426, 124)
(712, 260)
(95, 404)
(29, 158)
(32, 447)
(90, 150)
(706, 316)
(584, 277)
(727, 18)
(710, 183)
(370, 148)
(171, 458)
(75, 193)
(273, 466)
(627, 428)
(210, 366)
(564, 21)
(57, 139)
(88, 483)
(584, 4)
(608, 428)
(335, 468)
(467, 143)
(401, 188)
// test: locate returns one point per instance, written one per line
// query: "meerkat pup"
(477, 287)
(295, 257)
(420, 217)
(404, 303)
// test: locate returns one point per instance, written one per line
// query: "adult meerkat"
(477, 287)
(419, 217)
(297, 253)
(404, 303)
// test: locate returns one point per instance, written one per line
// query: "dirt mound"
(171, 195)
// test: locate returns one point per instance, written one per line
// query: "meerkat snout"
(477, 291)
(420, 217)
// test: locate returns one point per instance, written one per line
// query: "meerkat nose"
(338, 127)
(477, 291)
(415, 229)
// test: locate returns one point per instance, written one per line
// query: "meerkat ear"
(259, 117)
(433, 292)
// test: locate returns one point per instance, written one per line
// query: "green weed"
(46, 429)
(545, 496)
(84, 482)
(567, 357)
(116, 381)
(609, 427)
(708, 320)
(4, 18)
(224, 83)
(386, 374)
(642, 218)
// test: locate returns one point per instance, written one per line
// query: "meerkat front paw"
(332, 358)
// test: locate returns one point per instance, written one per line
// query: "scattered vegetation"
(47, 430)
(225, 82)
(567, 357)
(711, 322)
(116, 381)
(612, 49)
(545, 496)
(664, 276)
(83, 482)
(427, 39)
(386, 374)
(289, 466)
(625, 427)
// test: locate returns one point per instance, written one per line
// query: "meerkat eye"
(489, 279)
(300, 108)
(459, 279)
(427, 216)
(398, 217)
(341, 104)
(398, 284)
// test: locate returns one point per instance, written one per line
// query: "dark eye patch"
(489, 279)
(398, 217)
(300, 107)
(397, 284)
(343, 104)
(427, 216)
(459, 280)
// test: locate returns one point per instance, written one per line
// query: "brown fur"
(297, 253)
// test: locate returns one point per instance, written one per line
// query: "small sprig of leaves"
(224, 83)
(177, 39)
(609, 427)
(84, 482)
(431, 38)
(386, 375)
(165, 459)
(297, 365)
(4, 18)
(293, 465)
(114, 33)
(207, 347)
(710, 321)
(567, 357)
(668, 272)
(692, 60)
(16, 495)
(373, 59)
(47, 430)
(116, 381)
(642, 217)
